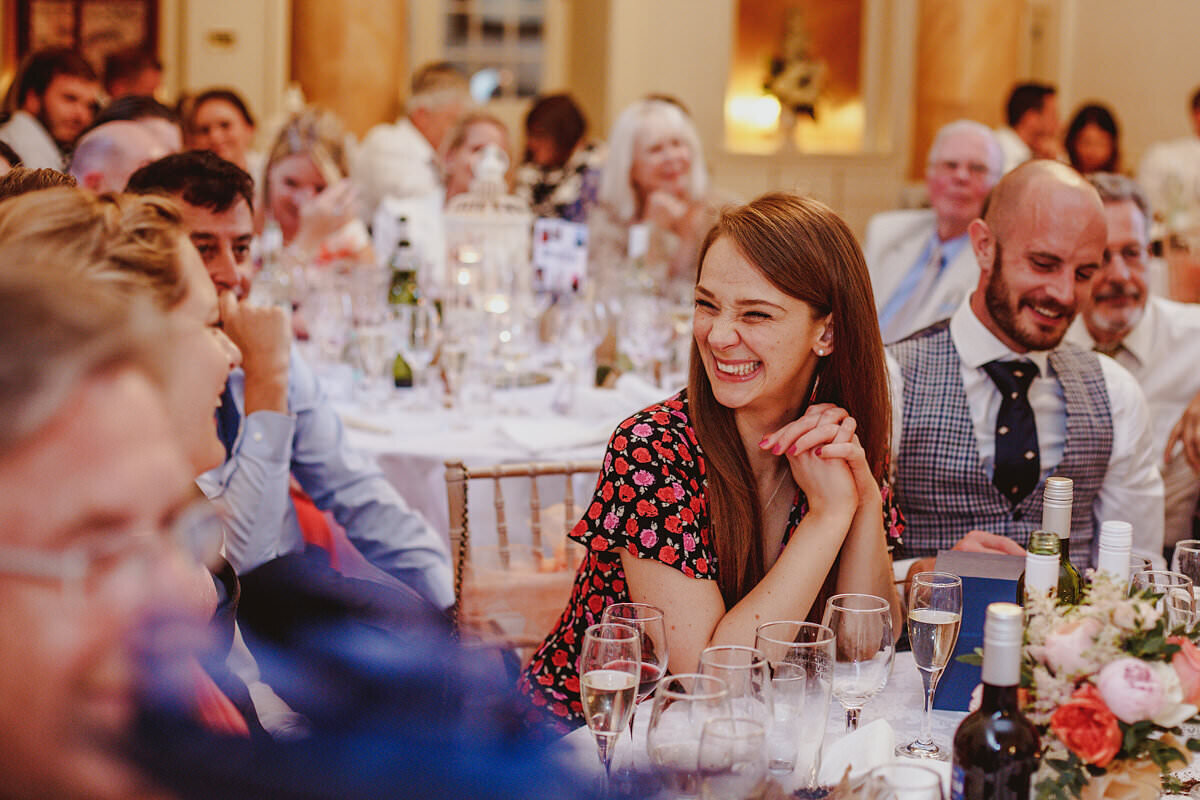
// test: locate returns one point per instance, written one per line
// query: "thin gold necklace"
(778, 486)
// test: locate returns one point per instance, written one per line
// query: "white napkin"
(638, 392)
(549, 433)
(866, 748)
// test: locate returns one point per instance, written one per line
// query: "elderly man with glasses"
(1156, 339)
(920, 260)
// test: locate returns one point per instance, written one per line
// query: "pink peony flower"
(1187, 667)
(1131, 689)
(1064, 648)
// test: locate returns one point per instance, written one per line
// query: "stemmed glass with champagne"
(609, 669)
(934, 616)
(864, 649)
(418, 333)
(647, 620)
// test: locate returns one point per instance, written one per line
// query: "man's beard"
(1121, 321)
(1005, 309)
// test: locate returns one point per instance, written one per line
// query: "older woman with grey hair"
(653, 202)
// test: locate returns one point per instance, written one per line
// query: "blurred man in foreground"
(94, 483)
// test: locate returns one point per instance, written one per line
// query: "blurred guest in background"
(1170, 172)
(653, 202)
(401, 159)
(559, 172)
(219, 120)
(1156, 339)
(463, 145)
(1093, 140)
(108, 154)
(920, 260)
(1032, 132)
(50, 103)
(306, 189)
(756, 493)
(162, 122)
(132, 71)
(1014, 404)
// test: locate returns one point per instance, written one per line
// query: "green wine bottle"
(1043, 568)
(403, 292)
(1056, 518)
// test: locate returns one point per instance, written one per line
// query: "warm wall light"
(752, 122)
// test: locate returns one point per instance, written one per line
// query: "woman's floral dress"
(650, 502)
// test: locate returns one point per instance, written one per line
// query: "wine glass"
(648, 621)
(418, 333)
(800, 655)
(903, 781)
(644, 333)
(934, 616)
(373, 346)
(1178, 600)
(864, 649)
(747, 675)
(609, 667)
(682, 705)
(733, 759)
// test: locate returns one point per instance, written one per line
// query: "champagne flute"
(863, 652)
(934, 616)
(648, 621)
(733, 759)
(682, 705)
(608, 675)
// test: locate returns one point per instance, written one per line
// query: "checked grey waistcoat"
(941, 485)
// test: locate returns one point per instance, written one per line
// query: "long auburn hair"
(807, 251)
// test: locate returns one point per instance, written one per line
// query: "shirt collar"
(976, 345)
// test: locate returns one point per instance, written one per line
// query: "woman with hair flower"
(757, 492)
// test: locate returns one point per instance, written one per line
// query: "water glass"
(864, 649)
(800, 655)
(733, 759)
(648, 621)
(903, 781)
(934, 615)
(682, 705)
(1186, 560)
(747, 675)
(1178, 601)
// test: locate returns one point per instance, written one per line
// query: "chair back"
(511, 593)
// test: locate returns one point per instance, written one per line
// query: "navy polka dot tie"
(1018, 465)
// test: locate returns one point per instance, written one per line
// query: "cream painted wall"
(1138, 56)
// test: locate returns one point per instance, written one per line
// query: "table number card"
(559, 254)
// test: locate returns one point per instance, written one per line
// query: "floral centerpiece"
(1109, 683)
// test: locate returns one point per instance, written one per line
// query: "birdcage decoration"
(488, 236)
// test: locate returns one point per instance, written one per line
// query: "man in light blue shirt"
(920, 263)
(287, 426)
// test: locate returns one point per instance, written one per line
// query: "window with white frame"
(499, 43)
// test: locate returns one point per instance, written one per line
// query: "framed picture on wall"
(95, 27)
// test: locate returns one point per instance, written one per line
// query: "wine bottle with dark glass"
(996, 747)
(1057, 498)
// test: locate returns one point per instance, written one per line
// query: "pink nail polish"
(777, 450)
(763, 442)
(817, 451)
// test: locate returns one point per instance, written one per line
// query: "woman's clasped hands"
(826, 459)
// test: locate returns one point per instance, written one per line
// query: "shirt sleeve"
(649, 500)
(1132, 488)
(392, 536)
(896, 391)
(252, 490)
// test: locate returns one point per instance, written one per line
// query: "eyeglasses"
(1130, 254)
(89, 565)
(977, 170)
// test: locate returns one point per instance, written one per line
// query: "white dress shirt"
(30, 139)
(396, 161)
(1132, 489)
(1161, 353)
(1016, 152)
(1169, 174)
